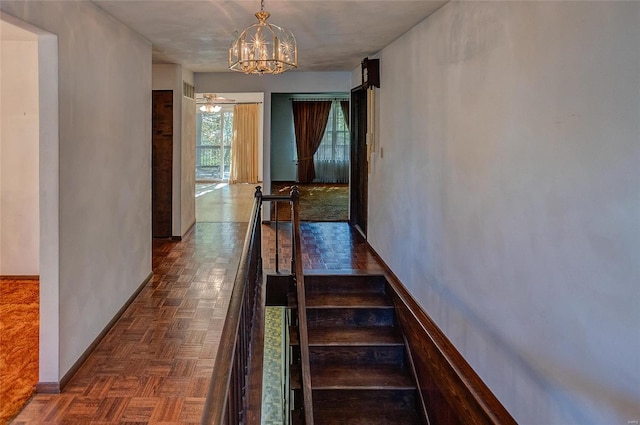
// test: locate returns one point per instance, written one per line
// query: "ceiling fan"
(210, 102)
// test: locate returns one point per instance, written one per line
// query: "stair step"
(356, 376)
(345, 283)
(351, 336)
(352, 300)
(361, 399)
(360, 354)
(371, 416)
(379, 316)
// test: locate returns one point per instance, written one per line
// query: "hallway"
(155, 364)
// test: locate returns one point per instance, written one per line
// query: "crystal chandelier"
(263, 48)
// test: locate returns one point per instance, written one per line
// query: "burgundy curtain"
(310, 121)
(344, 104)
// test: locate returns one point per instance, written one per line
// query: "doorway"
(326, 196)
(217, 199)
(359, 165)
(29, 237)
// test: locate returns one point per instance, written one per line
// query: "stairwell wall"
(508, 197)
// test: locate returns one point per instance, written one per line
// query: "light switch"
(381, 152)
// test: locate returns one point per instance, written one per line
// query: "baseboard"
(48, 388)
(452, 390)
(19, 277)
(190, 229)
(76, 366)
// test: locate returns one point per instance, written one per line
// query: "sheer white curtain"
(244, 145)
(331, 160)
(331, 171)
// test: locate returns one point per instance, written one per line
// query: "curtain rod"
(314, 99)
(231, 103)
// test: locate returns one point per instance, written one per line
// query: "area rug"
(19, 327)
(318, 202)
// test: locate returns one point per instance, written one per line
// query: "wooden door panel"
(162, 163)
(359, 168)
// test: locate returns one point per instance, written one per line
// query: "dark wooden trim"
(48, 388)
(76, 366)
(301, 308)
(421, 405)
(254, 395)
(176, 238)
(20, 277)
(442, 373)
(224, 402)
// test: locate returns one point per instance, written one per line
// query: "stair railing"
(235, 392)
(227, 399)
(298, 275)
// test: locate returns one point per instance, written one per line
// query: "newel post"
(295, 201)
(258, 196)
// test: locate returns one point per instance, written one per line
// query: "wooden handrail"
(225, 402)
(233, 396)
(302, 307)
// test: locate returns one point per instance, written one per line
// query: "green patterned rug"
(274, 385)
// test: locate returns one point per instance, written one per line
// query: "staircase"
(360, 372)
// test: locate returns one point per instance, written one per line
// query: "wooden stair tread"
(354, 376)
(371, 416)
(350, 335)
(345, 283)
(350, 300)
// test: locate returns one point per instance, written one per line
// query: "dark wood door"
(359, 168)
(162, 163)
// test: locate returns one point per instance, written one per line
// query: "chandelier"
(210, 106)
(263, 48)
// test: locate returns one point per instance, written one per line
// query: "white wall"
(289, 82)
(19, 132)
(508, 197)
(104, 87)
(188, 159)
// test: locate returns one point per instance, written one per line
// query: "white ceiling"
(332, 35)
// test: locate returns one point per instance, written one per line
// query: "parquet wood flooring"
(154, 365)
(330, 247)
(19, 326)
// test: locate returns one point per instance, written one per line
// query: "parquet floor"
(327, 247)
(155, 363)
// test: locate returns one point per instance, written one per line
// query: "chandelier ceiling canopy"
(263, 48)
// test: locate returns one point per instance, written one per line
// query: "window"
(213, 144)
